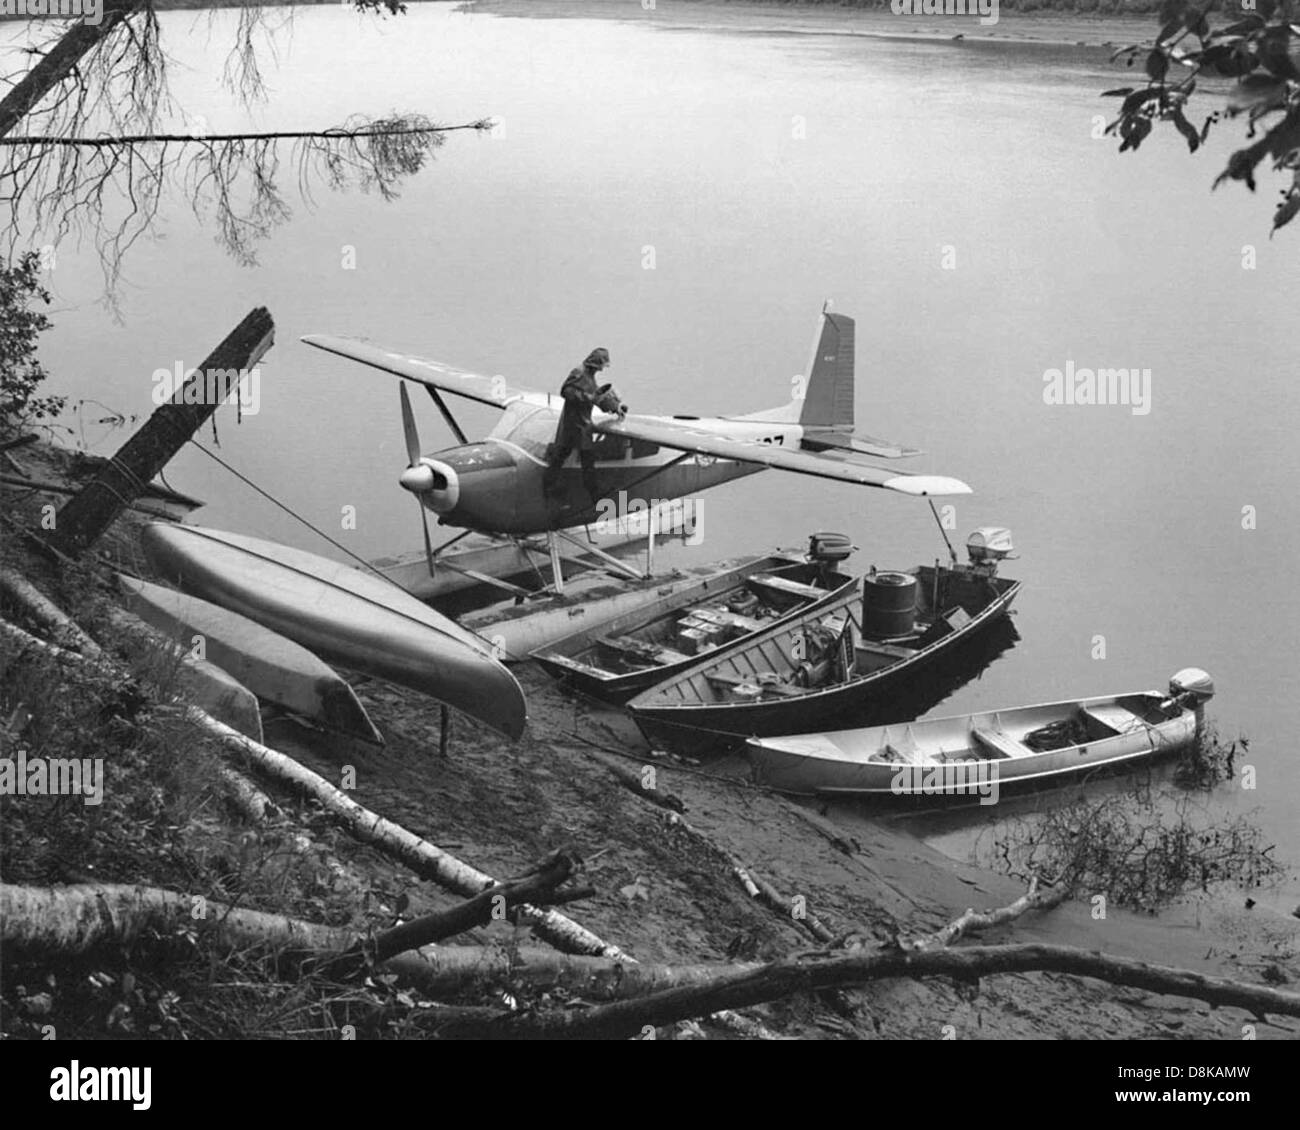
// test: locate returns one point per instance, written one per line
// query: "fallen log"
(743, 988)
(35, 604)
(16, 643)
(78, 919)
(255, 805)
(423, 858)
(537, 886)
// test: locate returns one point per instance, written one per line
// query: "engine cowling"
(436, 482)
(475, 485)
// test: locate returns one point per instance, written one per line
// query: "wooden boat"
(347, 617)
(623, 655)
(840, 662)
(978, 753)
(198, 681)
(274, 668)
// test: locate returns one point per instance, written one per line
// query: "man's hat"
(597, 357)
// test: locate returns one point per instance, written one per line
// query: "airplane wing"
(682, 437)
(486, 390)
(855, 444)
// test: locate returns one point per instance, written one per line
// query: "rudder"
(828, 397)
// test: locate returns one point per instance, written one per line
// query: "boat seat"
(901, 749)
(782, 689)
(1111, 717)
(890, 651)
(634, 651)
(767, 583)
(998, 743)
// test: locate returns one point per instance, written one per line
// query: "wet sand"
(502, 806)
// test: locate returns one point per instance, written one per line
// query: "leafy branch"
(1258, 51)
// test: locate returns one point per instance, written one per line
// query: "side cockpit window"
(610, 449)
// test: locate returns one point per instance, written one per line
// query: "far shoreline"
(1038, 28)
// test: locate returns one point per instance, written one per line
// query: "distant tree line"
(1086, 7)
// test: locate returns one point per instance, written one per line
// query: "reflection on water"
(963, 664)
(759, 175)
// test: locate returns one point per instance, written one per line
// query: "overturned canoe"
(274, 668)
(979, 753)
(345, 616)
(198, 681)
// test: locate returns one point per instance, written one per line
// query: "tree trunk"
(398, 843)
(61, 62)
(88, 514)
(85, 917)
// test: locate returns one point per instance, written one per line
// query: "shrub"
(21, 374)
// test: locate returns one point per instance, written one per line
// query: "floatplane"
(494, 486)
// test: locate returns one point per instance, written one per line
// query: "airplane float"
(495, 486)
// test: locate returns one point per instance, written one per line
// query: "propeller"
(418, 477)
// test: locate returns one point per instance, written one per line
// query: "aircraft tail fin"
(828, 395)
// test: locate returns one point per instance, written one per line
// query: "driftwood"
(423, 858)
(538, 886)
(972, 921)
(21, 592)
(744, 988)
(759, 888)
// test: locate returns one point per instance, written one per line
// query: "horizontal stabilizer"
(829, 441)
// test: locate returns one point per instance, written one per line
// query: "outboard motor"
(989, 545)
(824, 548)
(1190, 687)
(1192, 683)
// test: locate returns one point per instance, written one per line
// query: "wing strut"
(609, 559)
(446, 413)
(951, 552)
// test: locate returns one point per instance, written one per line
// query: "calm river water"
(949, 196)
